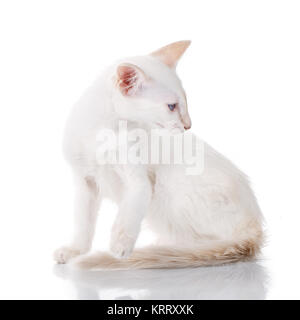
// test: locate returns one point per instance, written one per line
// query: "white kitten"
(206, 219)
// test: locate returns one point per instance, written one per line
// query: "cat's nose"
(187, 123)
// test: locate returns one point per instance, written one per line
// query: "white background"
(242, 78)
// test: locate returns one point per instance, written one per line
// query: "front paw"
(121, 244)
(64, 254)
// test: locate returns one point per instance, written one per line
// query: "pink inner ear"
(127, 79)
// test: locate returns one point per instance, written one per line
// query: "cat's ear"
(171, 53)
(130, 78)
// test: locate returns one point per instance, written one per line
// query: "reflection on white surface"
(244, 280)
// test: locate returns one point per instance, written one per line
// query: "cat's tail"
(214, 252)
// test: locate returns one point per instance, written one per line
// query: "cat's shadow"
(244, 280)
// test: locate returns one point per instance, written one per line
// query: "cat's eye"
(172, 106)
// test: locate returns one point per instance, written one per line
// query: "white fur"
(184, 210)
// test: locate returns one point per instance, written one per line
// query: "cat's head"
(148, 90)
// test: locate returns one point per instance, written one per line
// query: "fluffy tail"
(214, 252)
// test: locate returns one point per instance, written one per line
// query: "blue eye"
(172, 106)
